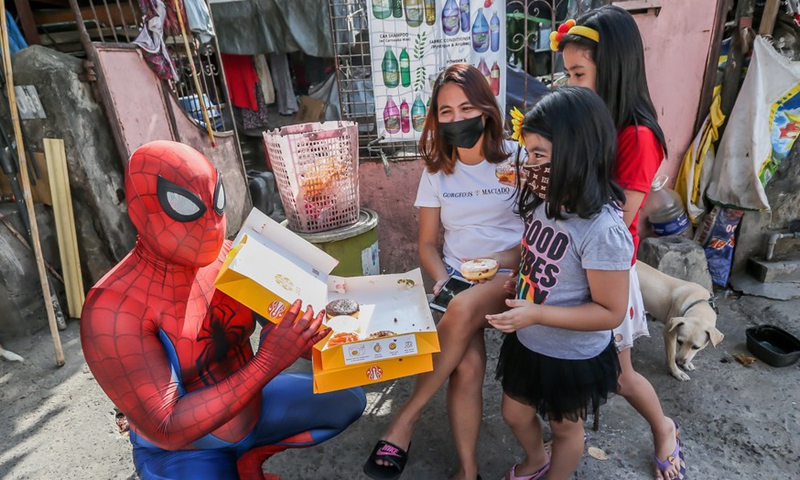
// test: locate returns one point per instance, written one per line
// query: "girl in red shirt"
(603, 51)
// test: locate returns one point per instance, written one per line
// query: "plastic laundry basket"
(316, 171)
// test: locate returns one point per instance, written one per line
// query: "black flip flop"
(388, 452)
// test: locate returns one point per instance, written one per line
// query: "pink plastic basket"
(316, 170)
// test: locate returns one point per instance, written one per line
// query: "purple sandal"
(676, 455)
(537, 475)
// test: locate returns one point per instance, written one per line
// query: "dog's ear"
(675, 322)
(715, 336)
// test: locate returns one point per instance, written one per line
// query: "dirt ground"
(738, 421)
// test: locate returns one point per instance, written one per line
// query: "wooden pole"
(197, 87)
(26, 186)
(768, 17)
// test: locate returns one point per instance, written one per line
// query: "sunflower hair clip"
(569, 28)
(517, 117)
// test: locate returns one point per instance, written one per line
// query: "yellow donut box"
(270, 267)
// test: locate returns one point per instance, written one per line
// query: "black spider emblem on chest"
(221, 338)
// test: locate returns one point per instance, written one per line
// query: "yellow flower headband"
(516, 126)
(569, 28)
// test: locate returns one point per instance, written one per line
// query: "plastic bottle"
(391, 74)
(484, 69)
(450, 15)
(494, 79)
(391, 116)
(494, 29)
(664, 210)
(397, 8)
(418, 114)
(414, 12)
(405, 123)
(430, 12)
(405, 69)
(381, 9)
(463, 7)
(480, 33)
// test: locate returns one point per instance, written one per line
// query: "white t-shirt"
(477, 211)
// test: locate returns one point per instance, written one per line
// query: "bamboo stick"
(197, 87)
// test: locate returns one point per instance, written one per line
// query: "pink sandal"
(537, 475)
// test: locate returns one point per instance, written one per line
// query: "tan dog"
(688, 313)
(8, 355)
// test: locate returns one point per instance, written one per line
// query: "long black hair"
(577, 123)
(619, 57)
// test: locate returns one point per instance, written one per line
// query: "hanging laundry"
(151, 41)
(254, 119)
(265, 79)
(170, 23)
(199, 20)
(760, 132)
(698, 162)
(242, 79)
(284, 89)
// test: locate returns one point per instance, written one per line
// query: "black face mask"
(464, 133)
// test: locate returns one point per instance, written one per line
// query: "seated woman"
(462, 144)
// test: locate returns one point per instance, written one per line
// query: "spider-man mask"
(176, 202)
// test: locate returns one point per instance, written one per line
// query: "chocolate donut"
(342, 306)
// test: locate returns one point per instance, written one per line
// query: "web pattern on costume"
(169, 350)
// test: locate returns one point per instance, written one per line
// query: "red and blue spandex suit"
(174, 354)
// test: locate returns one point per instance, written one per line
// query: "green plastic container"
(355, 246)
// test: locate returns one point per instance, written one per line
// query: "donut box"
(397, 334)
(269, 267)
(394, 334)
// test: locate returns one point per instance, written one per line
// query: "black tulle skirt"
(558, 389)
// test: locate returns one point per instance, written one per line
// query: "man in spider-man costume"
(174, 354)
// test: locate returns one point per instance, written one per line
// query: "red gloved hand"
(282, 344)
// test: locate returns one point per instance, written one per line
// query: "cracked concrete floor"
(738, 421)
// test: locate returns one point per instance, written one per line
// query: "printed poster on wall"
(412, 41)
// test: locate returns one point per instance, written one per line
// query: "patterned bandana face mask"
(537, 178)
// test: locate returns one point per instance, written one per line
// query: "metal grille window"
(528, 26)
(198, 67)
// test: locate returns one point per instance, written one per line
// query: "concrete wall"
(105, 234)
(783, 193)
(676, 44)
(392, 198)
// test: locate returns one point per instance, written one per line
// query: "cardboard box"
(270, 267)
(310, 110)
(388, 303)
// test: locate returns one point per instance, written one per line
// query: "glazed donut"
(342, 337)
(479, 268)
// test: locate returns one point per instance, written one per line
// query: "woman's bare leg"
(466, 315)
(465, 406)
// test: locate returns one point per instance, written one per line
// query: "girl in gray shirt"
(558, 359)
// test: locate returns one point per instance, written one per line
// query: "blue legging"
(289, 408)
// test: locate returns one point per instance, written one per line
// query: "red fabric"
(241, 77)
(639, 154)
